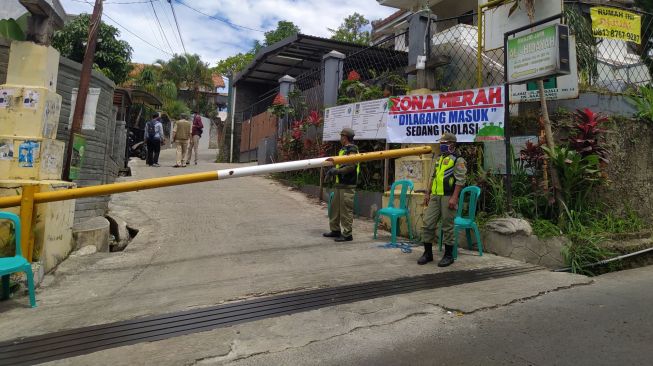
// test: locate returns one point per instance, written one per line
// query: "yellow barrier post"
(26, 215)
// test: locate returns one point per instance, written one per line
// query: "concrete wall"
(104, 144)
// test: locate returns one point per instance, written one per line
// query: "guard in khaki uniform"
(181, 136)
(342, 206)
(442, 201)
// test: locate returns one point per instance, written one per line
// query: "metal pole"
(506, 125)
(26, 216)
(106, 189)
(386, 168)
(84, 81)
(232, 116)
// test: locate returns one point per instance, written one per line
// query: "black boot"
(447, 259)
(332, 234)
(427, 256)
(344, 238)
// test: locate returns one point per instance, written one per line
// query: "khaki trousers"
(182, 147)
(438, 210)
(342, 210)
(194, 145)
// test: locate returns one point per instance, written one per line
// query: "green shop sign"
(538, 55)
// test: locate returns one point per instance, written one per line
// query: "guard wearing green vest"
(341, 215)
(442, 201)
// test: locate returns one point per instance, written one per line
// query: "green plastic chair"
(17, 263)
(468, 222)
(394, 213)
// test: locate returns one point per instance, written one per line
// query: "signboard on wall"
(79, 149)
(555, 88)
(539, 54)
(616, 24)
(472, 115)
(367, 119)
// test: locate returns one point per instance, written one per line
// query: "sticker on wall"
(30, 99)
(28, 153)
(6, 96)
(6, 149)
(79, 148)
(51, 116)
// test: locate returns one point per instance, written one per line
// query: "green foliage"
(643, 101)
(14, 29)
(579, 175)
(188, 72)
(352, 30)
(545, 229)
(584, 249)
(234, 64)
(112, 56)
(353, 91)
(175, 108)
(581, 27)
(284, 30)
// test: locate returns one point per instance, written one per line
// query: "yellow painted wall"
(48, 159)
(53, 228)
(33, 65)
(29, 111)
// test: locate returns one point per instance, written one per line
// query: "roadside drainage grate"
(80, 341)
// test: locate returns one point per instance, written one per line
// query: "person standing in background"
(181, 136)
(198, 128)
(153, 138)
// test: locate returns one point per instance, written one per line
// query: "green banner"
(76, 161)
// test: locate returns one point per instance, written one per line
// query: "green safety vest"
(351, 178)
(444, 181)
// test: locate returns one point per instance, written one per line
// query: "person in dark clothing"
(346, 176)
(153, 137)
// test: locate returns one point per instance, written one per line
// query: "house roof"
(301, 53)
(218, 80)
(139, 96)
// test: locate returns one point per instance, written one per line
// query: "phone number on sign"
(611, 33)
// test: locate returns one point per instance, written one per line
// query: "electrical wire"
(158, 22)
(174, 15)
(164, 10)
(129, 31)
(219, 19)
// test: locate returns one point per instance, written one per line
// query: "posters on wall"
(88, 123)
(472, 115)
(30, 99)
(28, 153)
(6, 149)
(616, 24)
(368, 119)
(6, 95)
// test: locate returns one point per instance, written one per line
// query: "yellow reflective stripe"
(358, 165)
(442, 171)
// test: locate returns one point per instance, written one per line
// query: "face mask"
(444, 149)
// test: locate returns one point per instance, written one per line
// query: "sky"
(212, 39)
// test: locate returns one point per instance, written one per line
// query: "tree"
(284, 30)
(112, 56)
(233, 64)
(188, 71)
(352, 30)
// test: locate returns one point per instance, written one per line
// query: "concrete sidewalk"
(210, 243)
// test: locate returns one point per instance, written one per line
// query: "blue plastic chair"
(467, 222)
(17, 263)
(394, 213)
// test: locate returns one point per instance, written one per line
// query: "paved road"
(607, 323)
(214, 242)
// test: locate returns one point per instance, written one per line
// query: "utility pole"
(84, 81)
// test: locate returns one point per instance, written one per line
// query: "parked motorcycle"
(136, 146)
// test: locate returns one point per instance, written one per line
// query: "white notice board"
(335, 119)
(368, 120)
